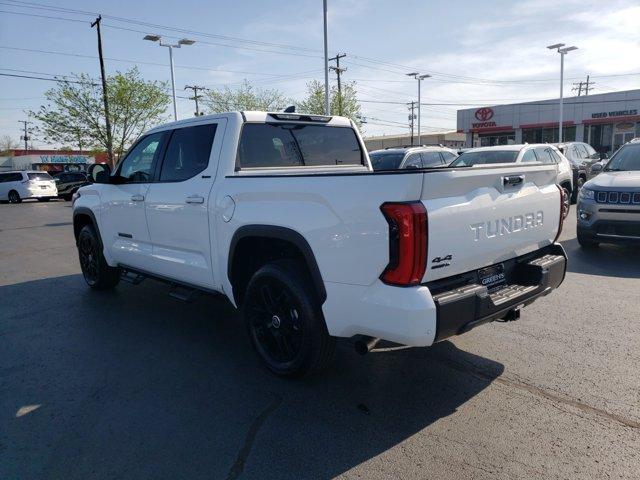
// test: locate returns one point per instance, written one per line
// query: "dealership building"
(605, 121)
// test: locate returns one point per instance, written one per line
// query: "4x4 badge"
(441, 262)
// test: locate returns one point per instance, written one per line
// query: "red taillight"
(561, 222)
(407, 243)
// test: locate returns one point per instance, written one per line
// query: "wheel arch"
(84, 216)
(248, 237)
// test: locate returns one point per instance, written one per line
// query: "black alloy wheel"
(284, 320)
(566, 202)
(97, 273)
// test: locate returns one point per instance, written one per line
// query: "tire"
(585, 242)
(14, 197)
(44, 199)
(284, 321)
(566, 202)
(66, 197)
(97, 273)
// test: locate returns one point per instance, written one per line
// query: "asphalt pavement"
(135, 384)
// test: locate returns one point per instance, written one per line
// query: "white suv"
(16, 186)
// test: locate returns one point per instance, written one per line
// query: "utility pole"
(587, 87)
(327, 110)
(196, 97)
(104, 91)
(338, 71)
(578, 87)
(412, 117)
(25, 137)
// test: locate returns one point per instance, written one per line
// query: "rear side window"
(545, 155)
(431, 159)
(39, 176)
(385, 160)
(187, 153)
(294, 145)
(529, 156)
(448, 157)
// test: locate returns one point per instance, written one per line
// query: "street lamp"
(419, 77)
(184, 41)
(562, 50)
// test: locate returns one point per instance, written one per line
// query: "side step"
(181, 292)
(131, 277)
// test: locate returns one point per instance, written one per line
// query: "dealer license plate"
(492, 277)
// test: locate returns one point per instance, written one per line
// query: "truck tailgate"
(484, 215)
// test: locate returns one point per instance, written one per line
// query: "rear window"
(264, 145)
(39, 176)
(386, 160)
(469, 159)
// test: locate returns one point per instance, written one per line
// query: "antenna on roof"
(290, 109)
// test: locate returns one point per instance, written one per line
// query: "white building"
(605, 121)
(448, 139)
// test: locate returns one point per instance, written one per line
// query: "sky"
(478, 53)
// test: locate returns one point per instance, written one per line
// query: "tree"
(7, 143)
(245, 97)
(75, 112)
(314, 102)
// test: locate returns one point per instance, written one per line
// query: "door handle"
(137, 198)
(512, 180)
(194, 199)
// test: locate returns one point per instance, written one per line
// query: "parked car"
(69, 182)
(422, 156)
(17, 186)
(527, 153)
(581, 157)
(283, 215)
(609, 204)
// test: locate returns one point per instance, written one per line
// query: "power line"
(42, 78)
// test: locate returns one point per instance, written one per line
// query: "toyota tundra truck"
(282, 214)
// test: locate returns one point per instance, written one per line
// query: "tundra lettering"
(507, 226)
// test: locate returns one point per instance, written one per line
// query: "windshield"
(386, 160)
(627, 158)
(39, 176)
(469, 159)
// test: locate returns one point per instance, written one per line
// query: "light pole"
(327, 110)
(184, 41)
(562, 50)
(419, 77)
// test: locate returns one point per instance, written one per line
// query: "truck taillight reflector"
(407, 243)
(562, 204)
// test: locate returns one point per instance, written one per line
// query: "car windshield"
(386, 160)
(625, 159)
(39, 176)
(469, 159)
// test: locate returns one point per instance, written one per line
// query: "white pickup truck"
(282, 214)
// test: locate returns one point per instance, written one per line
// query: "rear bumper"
(464, 307)
(422, 315)
(48, 193)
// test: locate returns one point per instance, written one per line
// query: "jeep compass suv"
(609, 204)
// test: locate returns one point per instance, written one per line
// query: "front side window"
(137, 166)
(264, 145)
(187, 153)
(469, 159)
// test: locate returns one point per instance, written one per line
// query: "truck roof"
(256, 116)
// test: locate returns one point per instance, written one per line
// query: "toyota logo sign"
(484, 114)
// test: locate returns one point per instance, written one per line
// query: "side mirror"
(100, 173)
(604, 156)
(596, 168)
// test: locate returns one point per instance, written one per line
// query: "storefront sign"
(483, 124)
(63, 159)
(618, 113)
(484, 114)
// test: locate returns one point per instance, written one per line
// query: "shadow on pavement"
(132, 383)
(606, 260)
